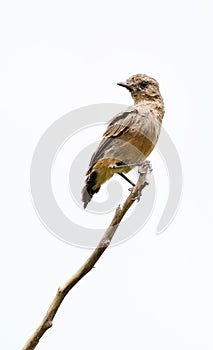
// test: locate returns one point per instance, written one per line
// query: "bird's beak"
(126, 85)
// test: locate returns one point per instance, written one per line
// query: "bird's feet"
(145, 167)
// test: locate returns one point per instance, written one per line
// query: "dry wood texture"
(47, 321)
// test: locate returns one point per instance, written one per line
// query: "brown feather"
(130, 137)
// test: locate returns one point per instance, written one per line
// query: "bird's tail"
(90, 189)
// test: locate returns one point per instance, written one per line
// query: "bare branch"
(46, 323)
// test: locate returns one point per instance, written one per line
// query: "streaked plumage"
(130, 136)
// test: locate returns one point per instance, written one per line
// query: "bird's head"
(142, 87)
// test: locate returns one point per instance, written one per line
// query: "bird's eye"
(144, 84)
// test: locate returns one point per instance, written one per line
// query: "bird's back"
(129, 139)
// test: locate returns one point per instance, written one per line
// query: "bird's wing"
(117, 126)
(120, 123)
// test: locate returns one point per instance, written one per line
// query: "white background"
(153, 292)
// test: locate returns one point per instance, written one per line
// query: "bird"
(130, 135)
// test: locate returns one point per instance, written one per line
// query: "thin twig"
(46, 323)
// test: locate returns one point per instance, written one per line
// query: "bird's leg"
(121, 165)
(146, 164)
(144, 167)
(126, 178)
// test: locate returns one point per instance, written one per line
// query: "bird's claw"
(145, 168)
